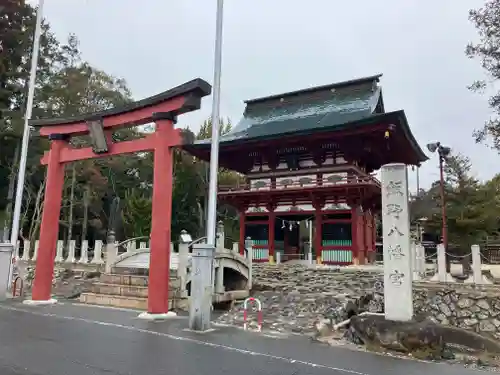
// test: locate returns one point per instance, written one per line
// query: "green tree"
(225, 177)
(136, 214)
(487, 22)
(17, 22)
(470, 208)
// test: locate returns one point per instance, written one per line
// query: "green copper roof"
(307, 110)
(324, 109)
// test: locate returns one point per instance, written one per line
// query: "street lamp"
(443, 153)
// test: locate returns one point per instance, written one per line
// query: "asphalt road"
(82, 340)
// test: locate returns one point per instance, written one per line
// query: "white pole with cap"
(16, 217)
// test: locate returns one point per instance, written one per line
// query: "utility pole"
(443, 152)
(203, 254)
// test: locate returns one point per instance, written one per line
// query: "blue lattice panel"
(337, 256)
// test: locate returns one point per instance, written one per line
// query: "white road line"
(187, 339)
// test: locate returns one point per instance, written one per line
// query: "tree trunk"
(71, 201)
(35, 220)
(86, 203)
(10, 195)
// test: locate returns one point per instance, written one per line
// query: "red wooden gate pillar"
(270, 245)
(318, 233)
(354, 234)
(159, 263)
(357, 234)
(242, 232)
(49, 228)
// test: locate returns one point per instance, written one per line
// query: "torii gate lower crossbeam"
(161, 109)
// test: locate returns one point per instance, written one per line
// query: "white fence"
(86, 253)
(419, 266)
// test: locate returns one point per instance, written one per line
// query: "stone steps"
(129, 291)
(126, 290)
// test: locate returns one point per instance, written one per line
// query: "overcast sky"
(276, 46)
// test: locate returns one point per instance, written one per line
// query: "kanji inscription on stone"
(394, 210)
(394, 231)
(396, 278)
(395, 252)
(394, 188)
(398, 292)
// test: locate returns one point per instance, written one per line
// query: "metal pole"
(418, 181)
(443, 202)
(202, 282)
(26, 132)
(214, 150)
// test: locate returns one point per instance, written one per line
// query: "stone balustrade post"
(184, 240)
(414, 260)
(249, 254)
(131, 246)
(220, 238)
(143, 245)
(35, 252)
(441, 263)
(97, 258)
(71, 252)
(309, 252)
(236, 247)
(26, 250)
(84, 252)
(477, 273)
(59, 252)
(17, 251)
(420, 250)
(111, 251)
(278, 258)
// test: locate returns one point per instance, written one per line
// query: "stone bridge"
(232, 273)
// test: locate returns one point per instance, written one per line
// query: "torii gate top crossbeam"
(181, 99)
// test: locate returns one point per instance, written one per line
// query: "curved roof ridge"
(330, 86)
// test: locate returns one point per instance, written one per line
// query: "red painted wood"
(256, 222)
(354, 232)
(159, 263)
(271, 224)
(362, 242)
(49, 227)
(137, 117)
(318, 234)
(242, 232)
(69, 154)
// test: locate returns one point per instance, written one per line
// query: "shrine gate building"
(309, 159)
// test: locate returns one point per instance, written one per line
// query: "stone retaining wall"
(295, 298)
(472, 307)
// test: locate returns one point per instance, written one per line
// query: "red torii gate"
(162, 109)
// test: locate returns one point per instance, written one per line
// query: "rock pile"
(300, 299)
(65, 282)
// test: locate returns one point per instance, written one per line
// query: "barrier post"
(184, 240)
(476, 264)
(14, 286)
(249, 249)
(441, 263)
(259, 313)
